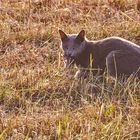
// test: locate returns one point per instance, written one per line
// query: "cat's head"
(72, 44)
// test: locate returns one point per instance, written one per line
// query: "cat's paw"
(77, 75)
(80, 75)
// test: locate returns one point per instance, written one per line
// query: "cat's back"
(117, 43)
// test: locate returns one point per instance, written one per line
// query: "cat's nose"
(67, 55)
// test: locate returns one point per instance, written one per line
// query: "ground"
(40, 100)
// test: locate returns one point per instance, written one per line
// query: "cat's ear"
(81, 35)
(63, 36)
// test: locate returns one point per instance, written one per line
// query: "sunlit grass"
(41, 100)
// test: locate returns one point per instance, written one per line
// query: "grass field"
(39, 100)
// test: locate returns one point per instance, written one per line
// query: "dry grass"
(38, 99)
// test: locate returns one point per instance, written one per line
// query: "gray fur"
(119, 56)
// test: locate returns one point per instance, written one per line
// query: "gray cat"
(117, 55)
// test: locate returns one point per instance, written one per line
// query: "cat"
(115, 54)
